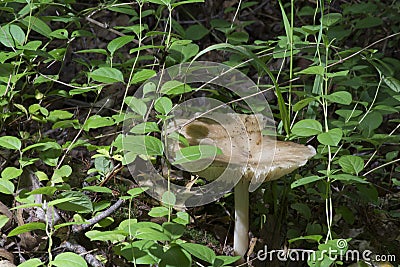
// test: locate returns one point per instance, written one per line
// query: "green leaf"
(175, 88)
(31, 263)
(69, 259)
(346, 213)
(330, 19)
(315, 238)
(307, 127)
(238, 37)
(141, 76)
(175, 257)
(199, 251)
(57, 115)
(6, 187)
(337, 74)
(107, 75)
(396, 182)
(303, 103)
(81, 204)
(193, 153)
(94, 50)
(371, 122)
(158, 212)
(286, 23)
(27, 228)
(131, 226)
(59, 174)
(330, 138)
(3, 220)
(225, 260)
(98, 189)
(137, 105)
(151, 234)
(368, 22)
(10, 173)
(61, 200)
(303, 209)
(174, 230)
(11, 35)
(168, 198)
(392, 83)
(124, 9)
(348, 113)
(348, 178)
(134, 192)
(306, 180)
(145, 127)
(37, 25)
(314, 70)
(119, 42)
(143, 145)
(45, 190)
(182, 52)
(182, 218)
(10, 142)
(163, 105)
(113, 236)
(196, 32)
(186, 2)
(351, 164)
(97, 121)
(60, 34)
(158, 2)
(341, 97)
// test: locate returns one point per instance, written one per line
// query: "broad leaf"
(31, 263)
(137, 105)
(351, 164)
(10, 142)
(158, 212)
(307, 127)
(69, 259)
(143, 145)
(119, 42)
(81, 203)
(330, 138)
(163, 105)
(306, 180)
(199, 251)
(27, 228)
(97, 121)
(341, 97)
(107, 75)
(145, 127)
(113, 236)
(175, 88)
(10, 173)
(194, 153)
(6, 187)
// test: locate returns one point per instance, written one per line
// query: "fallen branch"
(81, 227)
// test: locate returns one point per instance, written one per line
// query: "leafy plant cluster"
(68, 69)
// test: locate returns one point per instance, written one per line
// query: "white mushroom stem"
(241, 232)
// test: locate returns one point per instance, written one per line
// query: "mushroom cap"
(258, 158)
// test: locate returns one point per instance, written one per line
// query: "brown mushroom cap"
(256, 156)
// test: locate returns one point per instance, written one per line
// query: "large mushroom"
(258, 159)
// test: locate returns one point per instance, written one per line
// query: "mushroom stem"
(241, 232)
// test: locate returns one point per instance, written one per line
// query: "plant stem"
(241, 232)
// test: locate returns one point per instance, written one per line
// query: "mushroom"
(258, 159)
